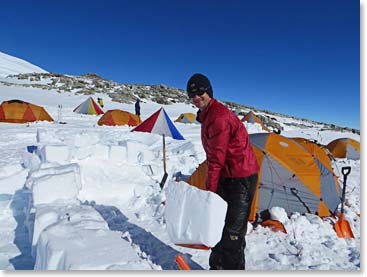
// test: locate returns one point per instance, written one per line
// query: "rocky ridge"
(91, 83)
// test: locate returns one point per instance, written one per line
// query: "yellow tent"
(187, 118)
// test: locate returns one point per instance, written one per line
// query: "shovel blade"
(342, 228)
(164, 179)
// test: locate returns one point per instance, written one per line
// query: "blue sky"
(300, 58)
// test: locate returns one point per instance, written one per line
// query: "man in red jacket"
(232, 170)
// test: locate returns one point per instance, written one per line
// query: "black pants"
(229, 253)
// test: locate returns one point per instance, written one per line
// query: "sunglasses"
(197, 91)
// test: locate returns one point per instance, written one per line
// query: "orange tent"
(252, 118)
(345, 148)
(318, 151)
(17, 111)
(289, 177)
(119, 117)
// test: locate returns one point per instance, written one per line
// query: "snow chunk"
(138, 153)
(47, 215)
(55, 153)
(118, 153)
(279, 214)
(78, 246)
(56, 184)
(194, 216)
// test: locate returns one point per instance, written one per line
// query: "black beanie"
(199, 82)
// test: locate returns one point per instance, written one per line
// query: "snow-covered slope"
(10, 65)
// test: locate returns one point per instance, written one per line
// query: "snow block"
(30, 161)
(81, 153)
(86, 139)
(194, 216)
(48, 136)
(79, 246)
(46, 215)
(101, 152)
(74, 167)
(138, 152)
(48, 188)
(55, 153)
(118, 153)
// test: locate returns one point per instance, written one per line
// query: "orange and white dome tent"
(252, 118)
(344, 148)
(18, 111)
(119, 117)
(289, 177)
(318, 151)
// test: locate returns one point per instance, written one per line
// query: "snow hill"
(78, 196)
(10, 65)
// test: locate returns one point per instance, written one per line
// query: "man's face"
(201, 101)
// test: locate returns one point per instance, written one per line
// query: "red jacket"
(227, 145)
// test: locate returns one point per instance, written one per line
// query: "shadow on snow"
(159, 252)
(19, 205)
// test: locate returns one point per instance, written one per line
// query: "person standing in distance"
(232, 170)
(137, 107)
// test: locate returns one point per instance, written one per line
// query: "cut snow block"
(81, 153)
(55, 187)
(47, 136)
(118, 153)
(74, 167)
(69, 246)
(194, 216)
(55, 153)
(138, 152)
(30, 161)
(101, 151)
(86, 139)
(46, 215)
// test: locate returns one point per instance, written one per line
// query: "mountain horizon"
(124, 93)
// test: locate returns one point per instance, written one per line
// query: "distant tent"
(119, 117)
(17, 111)
(89, 106)
(320, 152)
(345, 148)
(289, 177)
(187, 118)
(252, 118)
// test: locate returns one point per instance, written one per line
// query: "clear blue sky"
(300, 58)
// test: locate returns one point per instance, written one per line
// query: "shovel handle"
(346, 170)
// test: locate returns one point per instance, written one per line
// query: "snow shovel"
(342, 227)
(164, 179)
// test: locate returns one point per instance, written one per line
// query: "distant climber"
(137, 107)
(100, 102)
